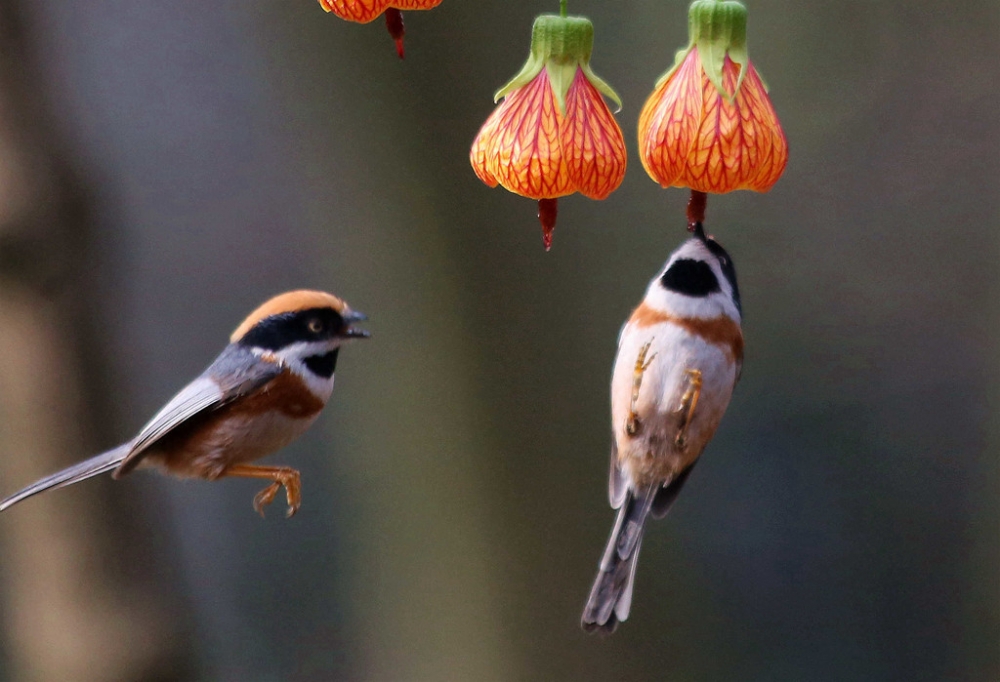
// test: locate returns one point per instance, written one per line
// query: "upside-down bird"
(679, 357)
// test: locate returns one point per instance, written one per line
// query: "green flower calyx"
(560, 45)
(717, 28)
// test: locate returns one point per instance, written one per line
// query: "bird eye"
(315, 325)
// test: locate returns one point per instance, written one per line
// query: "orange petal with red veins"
(482, 147)
(591, 140)
(739, 144)
(364, 11)
(525, 154)
(414, 4)
(773, 146)
(669, 121)
(361, 11)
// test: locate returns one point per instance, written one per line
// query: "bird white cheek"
(678, 305)
(322, 388)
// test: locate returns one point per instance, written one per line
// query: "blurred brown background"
(165, 166)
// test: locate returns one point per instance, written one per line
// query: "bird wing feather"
(666, 495)
(617, 486)
(235, 373)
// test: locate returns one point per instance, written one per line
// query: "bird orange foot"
(689, 401)
(281, 476)
(641, 365)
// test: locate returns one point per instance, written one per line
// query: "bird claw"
(265, 497)
(641, 365)
(289, 478)
(689, 401)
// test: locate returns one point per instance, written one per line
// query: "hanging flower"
(553, 135)
(364, 11)
(709, 124)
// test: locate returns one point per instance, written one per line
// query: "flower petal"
(773, 156)
(525, 155)
(591, 140)
(414, 4)
(361, 11)
(736, 146)
(669, 121)
(482, 147)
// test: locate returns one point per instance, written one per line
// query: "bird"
(262, 392)
(679, 358)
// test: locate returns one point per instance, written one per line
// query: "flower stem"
(562, 8)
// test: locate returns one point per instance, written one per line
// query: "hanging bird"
(261, 393)
(679, 357)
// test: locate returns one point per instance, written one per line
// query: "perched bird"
(262, 392)
(679, 357)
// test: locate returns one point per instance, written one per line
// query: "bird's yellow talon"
(689, 401)
(641, 365)
(280, 476)
(265, 497)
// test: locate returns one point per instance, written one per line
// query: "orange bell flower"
(709, 124)
(364, 11)
(553, 135)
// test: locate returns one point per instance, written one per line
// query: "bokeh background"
(166, 166)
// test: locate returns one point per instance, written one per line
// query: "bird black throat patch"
(690, 277)
(323, 365)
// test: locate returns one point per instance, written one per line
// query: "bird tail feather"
(99, 464)
(611, 596)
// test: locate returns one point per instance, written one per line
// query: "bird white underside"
(663, 385)
(719, 304)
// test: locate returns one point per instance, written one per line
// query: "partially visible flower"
(364, 11)
(709, 124)
(553, 135)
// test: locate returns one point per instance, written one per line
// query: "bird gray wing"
(617, 487)
(667, 494)
(236, 372)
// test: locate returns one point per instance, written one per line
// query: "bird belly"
(669, 429)
(208, 447)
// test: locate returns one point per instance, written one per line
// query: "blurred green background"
(166, 166)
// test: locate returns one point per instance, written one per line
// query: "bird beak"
(349, 331)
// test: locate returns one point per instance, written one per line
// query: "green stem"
(562, 8)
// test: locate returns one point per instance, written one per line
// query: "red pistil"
(696, 209)
(394, 22)
(547, 211)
